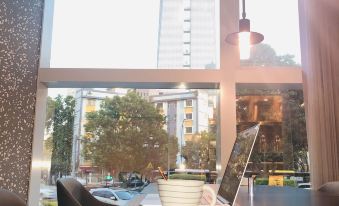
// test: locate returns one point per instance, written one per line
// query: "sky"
(124, 33)
(278, 21)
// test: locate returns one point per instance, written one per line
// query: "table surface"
(281, 196)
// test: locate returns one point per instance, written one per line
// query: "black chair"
(330, 187)
(8, 198)
(71, 193)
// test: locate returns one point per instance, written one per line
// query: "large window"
(111, 132)
(123, 141)
(135, 34)
(278, 21)
(281, 145)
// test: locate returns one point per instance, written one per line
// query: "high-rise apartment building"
(187, 34)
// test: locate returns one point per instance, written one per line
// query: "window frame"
(191, 116)
(224, 78)
(191, 132)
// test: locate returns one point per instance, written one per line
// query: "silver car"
(112, 196)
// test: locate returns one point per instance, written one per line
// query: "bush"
(261, 181)
(188, 177)
(291, 183)
(49, 203)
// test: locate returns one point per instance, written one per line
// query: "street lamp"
(182, 166)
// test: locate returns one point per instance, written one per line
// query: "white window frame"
(191, 100)
(189, 132)
(189, 114)
(224, 78)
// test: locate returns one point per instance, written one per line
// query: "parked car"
(304, 185)
(112, 196)
(47, 193)
(135, 183)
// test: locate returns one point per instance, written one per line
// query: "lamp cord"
(243, 10)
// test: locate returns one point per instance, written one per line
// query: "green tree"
(62, 134)
(265, 55)
(49, 113)
(200, 152)
(127, 134)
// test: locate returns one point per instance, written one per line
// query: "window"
(282, 142)
(160, 105)
(91, 102)
(189, 116)
(115, 46)
(188, 103)
(187, 61)
(147, 54)
(188, 130)
(138, 125)
(186, 49)
(187, 26)
(186, 37)
(281, 46)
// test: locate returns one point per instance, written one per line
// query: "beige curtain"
(319, 26)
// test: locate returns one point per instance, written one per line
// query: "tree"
(127, 134)
(200, 152)
(49, 113)
(62, 135)
(265, 55)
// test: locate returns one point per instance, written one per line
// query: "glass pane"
(135, 34)
(278, 21)
(280, 154)
(119, 137)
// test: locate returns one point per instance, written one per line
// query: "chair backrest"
(8, 198)
(330, 187)
(71, 193)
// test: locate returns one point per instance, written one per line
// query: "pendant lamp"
(244, 37)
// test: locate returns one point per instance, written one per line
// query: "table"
(285, 196)
(282, 196)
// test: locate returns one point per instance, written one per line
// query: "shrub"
(49, 203)
(261, 181)
(291, 183)
(188, 177)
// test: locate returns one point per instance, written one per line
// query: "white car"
(112, 196)
(48, 193)
(304, 185)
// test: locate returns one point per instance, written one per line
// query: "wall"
(20, 33)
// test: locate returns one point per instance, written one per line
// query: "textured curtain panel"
(319, 23)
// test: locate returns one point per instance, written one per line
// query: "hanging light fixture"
(244, 37)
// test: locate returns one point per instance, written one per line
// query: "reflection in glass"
(282, 142)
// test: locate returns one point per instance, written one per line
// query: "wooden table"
(278, 196)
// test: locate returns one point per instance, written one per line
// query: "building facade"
(187, 34)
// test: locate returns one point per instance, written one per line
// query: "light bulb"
(244, 45)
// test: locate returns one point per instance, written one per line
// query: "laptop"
(236, 166)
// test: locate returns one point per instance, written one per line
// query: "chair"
(330, 187)
(8, 198)
(71, 193)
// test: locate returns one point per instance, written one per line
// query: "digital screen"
(237, 163)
